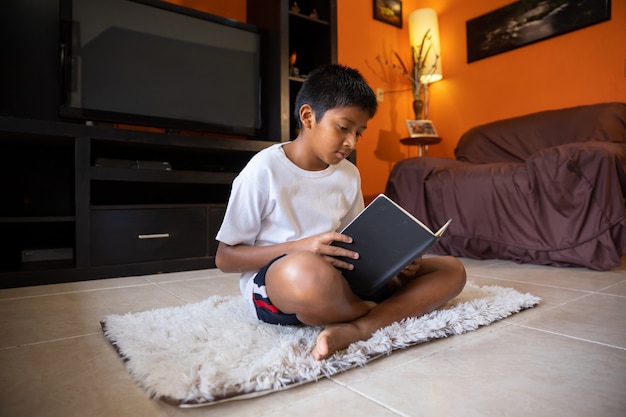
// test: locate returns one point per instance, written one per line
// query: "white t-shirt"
(274, 201)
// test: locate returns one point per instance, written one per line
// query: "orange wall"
(582, 67)
(233, 9)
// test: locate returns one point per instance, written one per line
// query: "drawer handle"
(154, 236)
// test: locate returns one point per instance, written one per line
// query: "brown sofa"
(546, 188)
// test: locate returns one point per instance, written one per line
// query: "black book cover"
(388, 239)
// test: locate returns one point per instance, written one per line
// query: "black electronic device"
(158, 64)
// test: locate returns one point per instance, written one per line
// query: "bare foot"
(335, 337)
(338, 336)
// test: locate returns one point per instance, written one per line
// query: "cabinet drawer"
(142, 235)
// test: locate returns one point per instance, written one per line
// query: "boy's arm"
(244, 258)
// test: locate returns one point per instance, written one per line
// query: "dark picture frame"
(525, 22)
(388, 11)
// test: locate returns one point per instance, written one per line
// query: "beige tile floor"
(566, 357)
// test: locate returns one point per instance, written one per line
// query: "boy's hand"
(406, 275)
(412, 269)
(320, 245)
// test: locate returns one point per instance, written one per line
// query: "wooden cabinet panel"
(144, 235)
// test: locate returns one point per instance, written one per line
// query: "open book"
(388, 239)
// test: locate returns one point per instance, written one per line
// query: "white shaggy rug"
(213, 351)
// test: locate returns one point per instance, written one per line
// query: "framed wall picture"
(525, 22)
(388, 11)
(421, 128)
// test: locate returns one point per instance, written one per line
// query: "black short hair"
(333, 86)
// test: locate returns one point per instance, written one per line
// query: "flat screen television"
(153, 63)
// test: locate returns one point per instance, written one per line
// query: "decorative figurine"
(294, 8)
(293, 70)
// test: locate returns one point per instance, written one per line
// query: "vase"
(418, 107)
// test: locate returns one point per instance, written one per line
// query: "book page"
(443, 228)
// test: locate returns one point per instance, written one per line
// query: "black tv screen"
(154, 63)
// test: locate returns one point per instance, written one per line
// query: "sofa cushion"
(516, 139)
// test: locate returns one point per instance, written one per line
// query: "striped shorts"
(265, 310)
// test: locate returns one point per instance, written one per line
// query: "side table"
(422, 143)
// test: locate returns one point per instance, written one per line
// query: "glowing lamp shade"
(419, 22)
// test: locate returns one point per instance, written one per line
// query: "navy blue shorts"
(265, 310)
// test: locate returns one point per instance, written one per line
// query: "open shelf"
(137, 175)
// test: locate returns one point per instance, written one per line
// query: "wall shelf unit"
(312, 39)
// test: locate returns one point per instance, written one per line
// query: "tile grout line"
(585, 292)
(531, 283)
(147, 283)
(170, 293)
(570, 336)
(41, 342)
(610, 286)
(173, 281)
(552, 308)
(367, 397)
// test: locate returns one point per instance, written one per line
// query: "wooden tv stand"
(85, 202)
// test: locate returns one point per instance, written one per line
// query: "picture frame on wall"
(525, 22)
(388, 11)
(421, 128)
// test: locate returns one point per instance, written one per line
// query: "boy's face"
(334, 136)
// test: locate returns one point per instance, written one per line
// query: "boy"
(283, 213)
